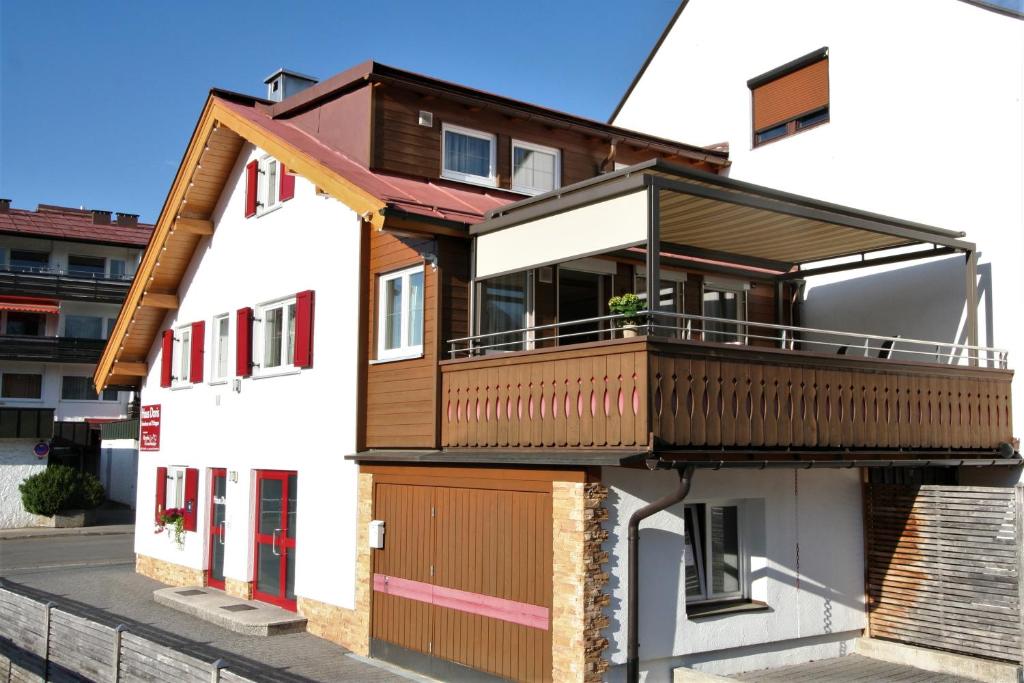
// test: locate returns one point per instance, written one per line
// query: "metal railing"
(51, 349)
(59, 285)
(729, 331)
(57, 270)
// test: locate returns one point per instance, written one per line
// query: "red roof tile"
(76, 225)
(434, 198)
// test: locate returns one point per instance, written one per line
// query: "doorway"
(218, 491)
(276, 502)
(579, 298)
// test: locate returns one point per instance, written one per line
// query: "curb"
(109, 530)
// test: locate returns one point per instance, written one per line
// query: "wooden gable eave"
(186, 218)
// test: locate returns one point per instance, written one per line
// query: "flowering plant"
(174, 517)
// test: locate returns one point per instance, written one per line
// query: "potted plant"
(61, 496)
(175, 519)
(629, 306)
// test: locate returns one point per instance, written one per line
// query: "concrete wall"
(805, 537)
(303, 421)
(17, 461)
(920, 91)
(119, 462)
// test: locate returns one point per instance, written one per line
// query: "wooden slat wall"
(401, 395)
(704, 395)
(490, 539)
(71, 648)
(587, 395)
(943, 567)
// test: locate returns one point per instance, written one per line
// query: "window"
(117, 269)
(175, 494)
(400, 314)
(220, 347)
(468, 155)
(26, 324)
(182, 356)
(504, 307)
(671, 298)
(268, 196)
(21, 385)
(725, 301)
(535, 169)
(23, 261)
(790, 99)
(87, 266)
(110, 326)
(276, 336)
(83, 326)
(714, 553)
(81, 389)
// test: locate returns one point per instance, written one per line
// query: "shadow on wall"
(921, 302)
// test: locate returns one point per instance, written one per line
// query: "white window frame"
(490, 180)
(522, 189)
(259, 339)
(174, 487)
(705, 561)
(406, 350)
(181, 358)
(263, 185)
(214, 354)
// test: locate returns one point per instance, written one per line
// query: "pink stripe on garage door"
(522, 613)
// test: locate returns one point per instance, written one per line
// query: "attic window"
(790, 99)
(468, 155)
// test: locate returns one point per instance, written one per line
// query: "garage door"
(465, 577)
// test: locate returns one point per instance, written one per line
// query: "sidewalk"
(45, 532)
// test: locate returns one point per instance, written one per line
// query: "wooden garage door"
(465, 576)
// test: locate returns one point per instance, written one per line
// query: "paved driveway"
(95, 576)
(847, 670)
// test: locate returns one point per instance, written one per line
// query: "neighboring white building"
(63, 275)
(923, 119)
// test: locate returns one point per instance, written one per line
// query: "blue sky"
(98, 99)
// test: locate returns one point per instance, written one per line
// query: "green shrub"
(59, 488)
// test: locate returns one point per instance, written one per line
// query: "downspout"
(632, 599)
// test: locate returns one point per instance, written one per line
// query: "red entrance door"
(276, 497)
(218, 492)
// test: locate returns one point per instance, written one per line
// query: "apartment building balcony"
(56, 283)
(50, 349)
(700, 378)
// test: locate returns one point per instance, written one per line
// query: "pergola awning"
(689, 212)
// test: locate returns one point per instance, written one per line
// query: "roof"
(73, 225)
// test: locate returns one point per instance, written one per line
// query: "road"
(94, 576)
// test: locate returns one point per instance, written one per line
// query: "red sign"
(150, 440)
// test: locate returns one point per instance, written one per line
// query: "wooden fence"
(40, 642)
(944, 567)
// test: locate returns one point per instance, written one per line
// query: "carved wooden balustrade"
(693, 395)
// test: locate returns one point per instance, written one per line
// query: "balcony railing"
(775, 388)
(58, 284)
(51, 349)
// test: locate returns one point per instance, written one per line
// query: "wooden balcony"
(673, 395)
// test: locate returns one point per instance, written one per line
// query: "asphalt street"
(94, 576)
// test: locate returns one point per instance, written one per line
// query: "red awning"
(27, 304)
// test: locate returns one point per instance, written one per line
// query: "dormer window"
(468, 156)
(535, 169)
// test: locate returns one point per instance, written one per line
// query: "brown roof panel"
(76, 225)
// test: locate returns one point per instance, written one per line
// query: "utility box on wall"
(376, 534)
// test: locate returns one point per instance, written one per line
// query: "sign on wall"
(150, 433)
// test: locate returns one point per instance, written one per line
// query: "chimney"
(5, 205)
(100, 217)
(283, 83)
(128, 220)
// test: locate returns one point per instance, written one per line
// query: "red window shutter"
(166, 352)
(195, 367)
(304, 305)
(191, 498)
(287, 190)
(243, 341)
(161, 493)
(252, 177)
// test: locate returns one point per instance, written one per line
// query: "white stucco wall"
(119, 461)
(74, 411)
(17, 461)
(805, 537)
(304, 421)
(927, 124)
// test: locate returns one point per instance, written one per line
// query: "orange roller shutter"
(789, 96)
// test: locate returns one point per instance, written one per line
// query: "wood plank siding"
(401, 145)
(943, 567)
(401, 395)
(695, 395)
